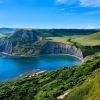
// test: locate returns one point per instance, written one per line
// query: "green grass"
(85, 40)
(62, 39)
(95, 36)
(89, 90)
(89, 40)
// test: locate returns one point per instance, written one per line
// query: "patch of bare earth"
(62, 97)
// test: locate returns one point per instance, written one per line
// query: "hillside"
(85, 40)
(89, 40)
(89, 90)
(7, 31)
(48, 85)
(64, 32)
(51, 32)
(95, 36)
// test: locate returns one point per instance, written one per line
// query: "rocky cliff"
(61, 48)
(25, 35)
(21, 39)
(6, 46)
(27, 42)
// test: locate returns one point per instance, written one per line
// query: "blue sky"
(50, 13)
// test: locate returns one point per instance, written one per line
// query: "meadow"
(84, 40)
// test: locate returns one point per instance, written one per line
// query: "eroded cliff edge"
(61, 48)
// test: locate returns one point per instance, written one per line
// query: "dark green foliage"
(64, 32)
(49, 85)
(87, 50)
(53, 32)
(90, 50)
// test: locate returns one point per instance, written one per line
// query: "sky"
(50, 13)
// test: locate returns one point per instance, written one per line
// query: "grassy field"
(85, 40)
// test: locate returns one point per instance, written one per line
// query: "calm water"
(10, 68)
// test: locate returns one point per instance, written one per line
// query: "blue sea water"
(11, 68)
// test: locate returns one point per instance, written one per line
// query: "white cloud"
(62, 1)
(90, 3)
(66, 1)
(83, 3)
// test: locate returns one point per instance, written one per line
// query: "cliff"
(25, 35)
(19, 41)
(61, 48)
(6, 46)
(28, 42)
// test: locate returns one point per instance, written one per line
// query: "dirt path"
(61, 97)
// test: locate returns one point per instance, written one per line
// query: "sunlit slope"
(85, 40)
(89, 90)
(95, 36)
(89, 40)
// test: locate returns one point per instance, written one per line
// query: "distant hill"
(89, 40)
(64, 32)
(52, 32)
(7, 31)
(95, 36)
(25, 35)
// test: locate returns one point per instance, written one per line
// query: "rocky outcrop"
(6, 46)
(25, 35)
(61, 48)
(20, 36)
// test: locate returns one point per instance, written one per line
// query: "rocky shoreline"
(32, 73)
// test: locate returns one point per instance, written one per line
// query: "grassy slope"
(89, 40)
(49, 85)
(89, 90)
(85, 40)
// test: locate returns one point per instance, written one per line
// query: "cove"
(11, 68)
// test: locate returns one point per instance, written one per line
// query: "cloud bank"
(83, 3)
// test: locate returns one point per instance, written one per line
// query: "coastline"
(82, 60)
(38, 71)
(21, 56)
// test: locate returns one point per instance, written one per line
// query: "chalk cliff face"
(61, 48)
